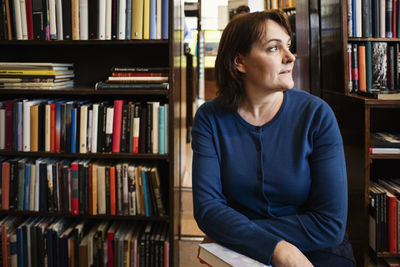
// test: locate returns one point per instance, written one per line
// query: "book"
(379, 150)
(129, 86)
(216, 255)
(153, 79)
(385, 140)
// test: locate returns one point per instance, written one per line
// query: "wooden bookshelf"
(357, 116)
(93, 60)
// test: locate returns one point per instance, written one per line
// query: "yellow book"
(146, 19)
(35, 72)
(137, 19)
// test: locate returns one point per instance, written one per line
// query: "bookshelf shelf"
(87, 155)
(83, 91)
(97, 217)
(385, 156)
(83, 42)
(363, 39)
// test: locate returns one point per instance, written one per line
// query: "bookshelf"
(357, 116)
(93, 60)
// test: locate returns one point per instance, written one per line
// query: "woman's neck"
(258, 111)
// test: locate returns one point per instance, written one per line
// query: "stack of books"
(36, 75)
(385, 143)
(136, 78)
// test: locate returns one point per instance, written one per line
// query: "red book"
(394, 16)
(9, 124)
(5, 185)
(139, 74)
(110, 241)
(29, 20)
(90, 188)
(75, 188)
(53, 127)
(392, 222)
(117, 122)
(113, 207)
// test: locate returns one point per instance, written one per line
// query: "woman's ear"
(238, 61)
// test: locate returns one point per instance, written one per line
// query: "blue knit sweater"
(286, 180)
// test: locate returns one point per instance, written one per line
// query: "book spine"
(121, 19)
(389, 19)
(382, 18)
(83, 20)
(368, 66)
(161, 127)
(59, 20)
(165, 19)
(117, 124)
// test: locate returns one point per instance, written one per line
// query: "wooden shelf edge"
(68, 215)
(366, 100)
(384, 156)
(82, 42)
(363, 39)
(121, 155)
(83, 91)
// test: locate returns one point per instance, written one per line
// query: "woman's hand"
(288, 255)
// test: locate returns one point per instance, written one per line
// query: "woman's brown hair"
(237, 39)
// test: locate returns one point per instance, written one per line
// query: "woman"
(269, 175)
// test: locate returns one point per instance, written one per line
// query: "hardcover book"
(216, 255)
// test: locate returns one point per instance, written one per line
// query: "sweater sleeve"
(321, 223)
(214, 217)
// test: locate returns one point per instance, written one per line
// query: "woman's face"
(269, 64)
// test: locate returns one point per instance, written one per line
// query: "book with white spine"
(83, 20)
(102, 20)
(24, 23)
(52, 16)
(121, 19)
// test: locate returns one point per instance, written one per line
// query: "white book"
(121, 19)
(108, 19)
(83, 19)
(382, 18)
(166, 127)
(83, 129)
(37, 182)
(358, 19)
(2, 128)
(89, 130)
(52, 16)
(158, 19)
(155, 129)
(60, 32)
(215, 254)
(102, 20)
(18, 19)
(95, 123)
(24, 24)
(101, 190)
(378, 150)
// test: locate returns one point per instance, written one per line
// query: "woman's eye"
(273, 49)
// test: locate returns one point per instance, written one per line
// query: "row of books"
(384, 215)
(374, 68)
(36, 75)
(135, 78)
(275, 4)
(40, 241)
(84, 20)
(81, 187)
(384, 143)
(378, 18)
(80, 126)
